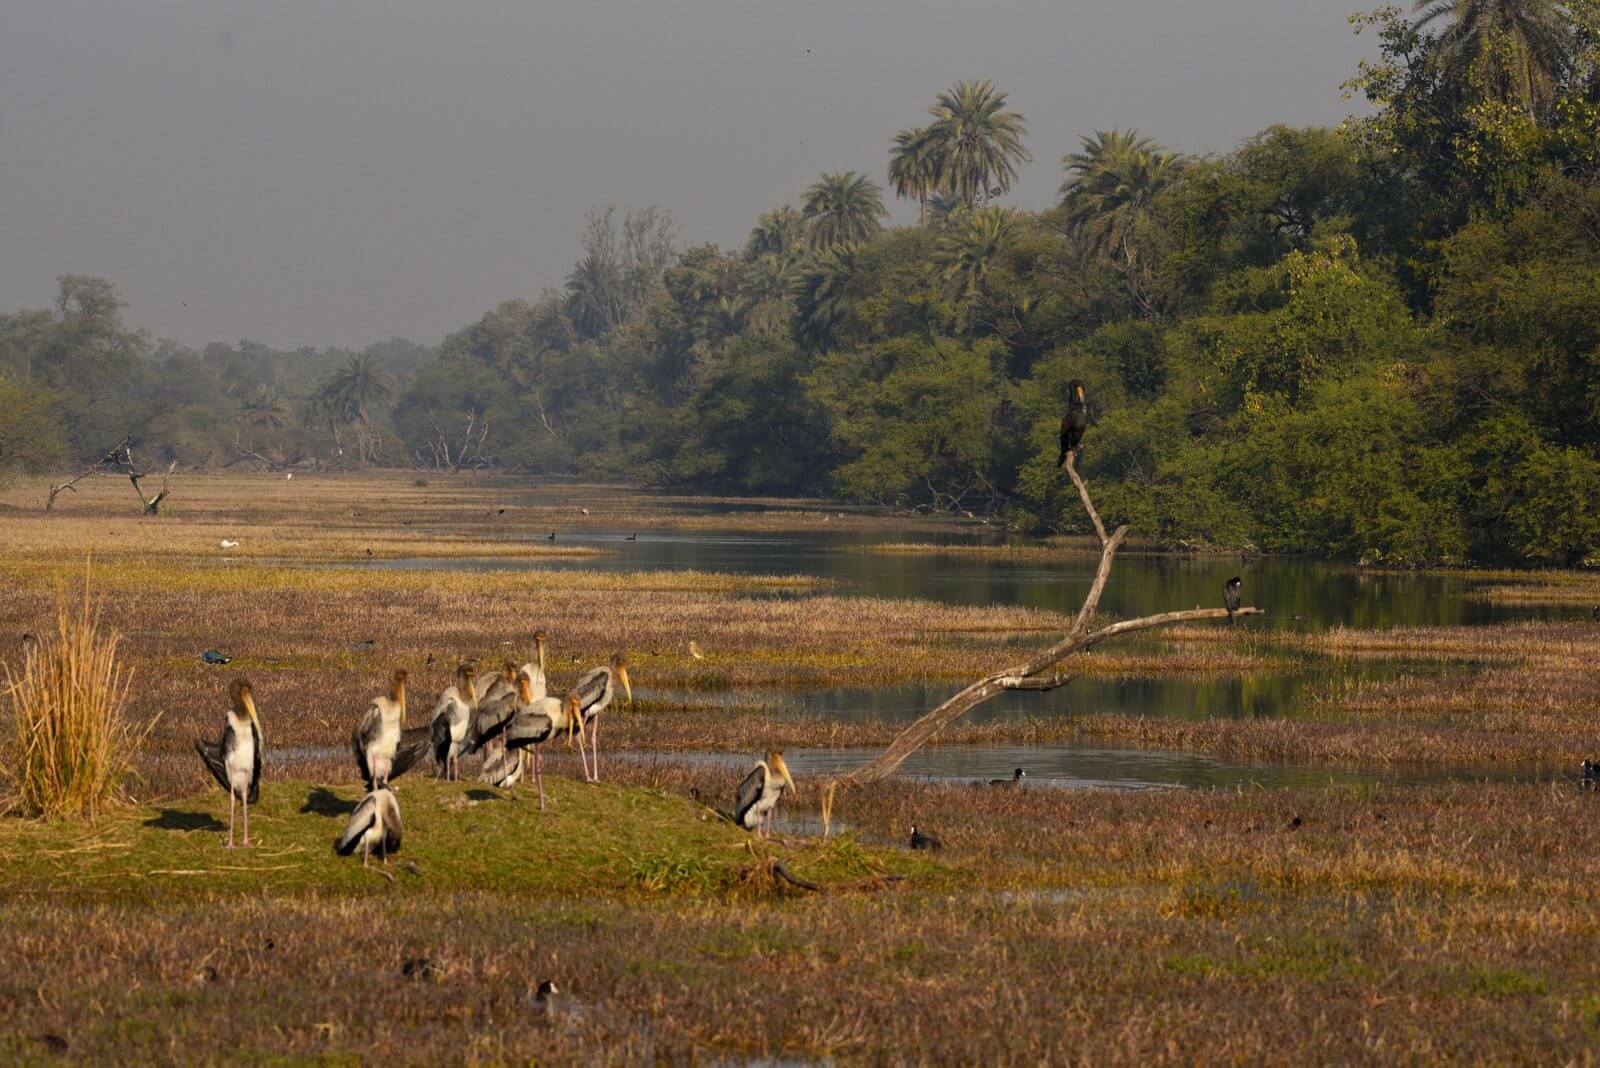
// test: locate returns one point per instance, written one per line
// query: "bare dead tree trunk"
(1034, 673)
(119, 457)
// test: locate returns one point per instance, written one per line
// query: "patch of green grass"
(1504, 982)
(592, 839)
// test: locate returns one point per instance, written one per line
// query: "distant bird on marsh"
(921, 840)
(234, 760)
(635, 537)
(552, 536)
(216, 657)
(1015, 780)
(695, 650)
(227, 543)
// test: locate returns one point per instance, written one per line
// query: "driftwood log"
(1038, 673)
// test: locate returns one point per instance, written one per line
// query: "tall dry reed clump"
(69, 746)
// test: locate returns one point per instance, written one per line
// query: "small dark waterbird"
(1074, 422)
(234, 760)
(1015, 780)
(922, 840)
(216, 657)
(1230, 596)
(1589, 775)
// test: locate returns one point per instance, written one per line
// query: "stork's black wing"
(491, 719)
(211, 753)
(360, 821)
(440, 737)
(591, 687)
(255, 771)
(389, 807)
(415, 742)
(749, 793)
(528, 728)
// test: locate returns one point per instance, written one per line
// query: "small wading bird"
(594, 690)
(376, 740)
(1230, 596)
(235, 760)
(759, 793)
(1015, 780)
(919, 840)
(452, 717)
(374, 825)
(1075, 422)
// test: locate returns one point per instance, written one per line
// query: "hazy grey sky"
(340, 171)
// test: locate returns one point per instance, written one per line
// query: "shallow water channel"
(1298, 594)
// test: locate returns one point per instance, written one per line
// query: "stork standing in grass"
(524, 721)
(497, 703)
(452, 719)
(235, 759)
(377, 737)
(374, 825)
(594, 690)
(759, 793)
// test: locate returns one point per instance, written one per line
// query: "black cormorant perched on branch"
(1230, 596)
(1075, 422)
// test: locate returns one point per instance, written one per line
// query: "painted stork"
(452, 718)
(375, 824)
(377, 737)
(594, 690)
(759, 793)
(235, 759)
(497, 703)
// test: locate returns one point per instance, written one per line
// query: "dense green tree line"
(1380, 341)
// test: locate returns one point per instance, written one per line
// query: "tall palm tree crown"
(981, 142)
(914, 167)
(1112, 182)
(1520, 47)
(970, 248)
(842, 208)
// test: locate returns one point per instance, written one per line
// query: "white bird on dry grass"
(374, 825)
(227, 543)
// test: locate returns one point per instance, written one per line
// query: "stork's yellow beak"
(627, 686)
(250, 709)
(783, 770)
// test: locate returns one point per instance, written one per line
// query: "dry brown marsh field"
(1374, 923)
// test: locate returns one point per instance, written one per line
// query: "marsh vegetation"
(1418, 887)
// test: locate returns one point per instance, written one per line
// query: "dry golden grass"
(70, 742)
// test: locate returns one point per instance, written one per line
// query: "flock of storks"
(501, 716)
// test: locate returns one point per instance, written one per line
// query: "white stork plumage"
(374, 825)
(452, 719)
(760, 792)
(376, 740)
(235, 759)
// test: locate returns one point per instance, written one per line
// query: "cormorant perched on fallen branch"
(1075, 422)
(1230, 596)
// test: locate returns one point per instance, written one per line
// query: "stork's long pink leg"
(231, 800)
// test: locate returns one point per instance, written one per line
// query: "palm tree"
(1112, 183)
(914, 167)
(1109, 192)
(778, 232)
(980, 142)
(1521, 47)
(264, 408)
(349, 394)
(820, 289)
(842, 208)
(970, 248)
